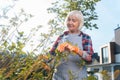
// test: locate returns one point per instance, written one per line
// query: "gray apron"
(70, 69)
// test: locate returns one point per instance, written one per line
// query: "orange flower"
(45, 57)
(45, 66)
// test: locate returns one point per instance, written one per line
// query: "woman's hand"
(62, 47)
(66, 46)
(73, 48)
(88, 58)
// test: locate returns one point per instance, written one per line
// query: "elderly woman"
(70, 69)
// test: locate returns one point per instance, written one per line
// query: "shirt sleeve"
(87, 47)
(52, 51)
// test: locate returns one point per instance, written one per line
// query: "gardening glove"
(62, 46)
(73, 48)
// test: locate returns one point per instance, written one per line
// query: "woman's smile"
(73, 23)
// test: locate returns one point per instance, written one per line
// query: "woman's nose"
(70, 22)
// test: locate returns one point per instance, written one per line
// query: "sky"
(108, 17)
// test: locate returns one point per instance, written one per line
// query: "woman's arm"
(52, 51)
(87, 49)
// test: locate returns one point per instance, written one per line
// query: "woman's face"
(73, 23)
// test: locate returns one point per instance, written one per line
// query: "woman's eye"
(68, 19)
(73, 20)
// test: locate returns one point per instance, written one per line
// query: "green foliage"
(17, 66)
(14, 65)
(105, 74)
(61, 8)
(117, 74)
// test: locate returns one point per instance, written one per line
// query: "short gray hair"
(79, 15)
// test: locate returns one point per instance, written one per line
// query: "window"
(105, 54)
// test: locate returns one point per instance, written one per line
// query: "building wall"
(117, 46)
(117, 40)
(108, 54)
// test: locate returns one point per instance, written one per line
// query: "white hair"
(77, 14)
